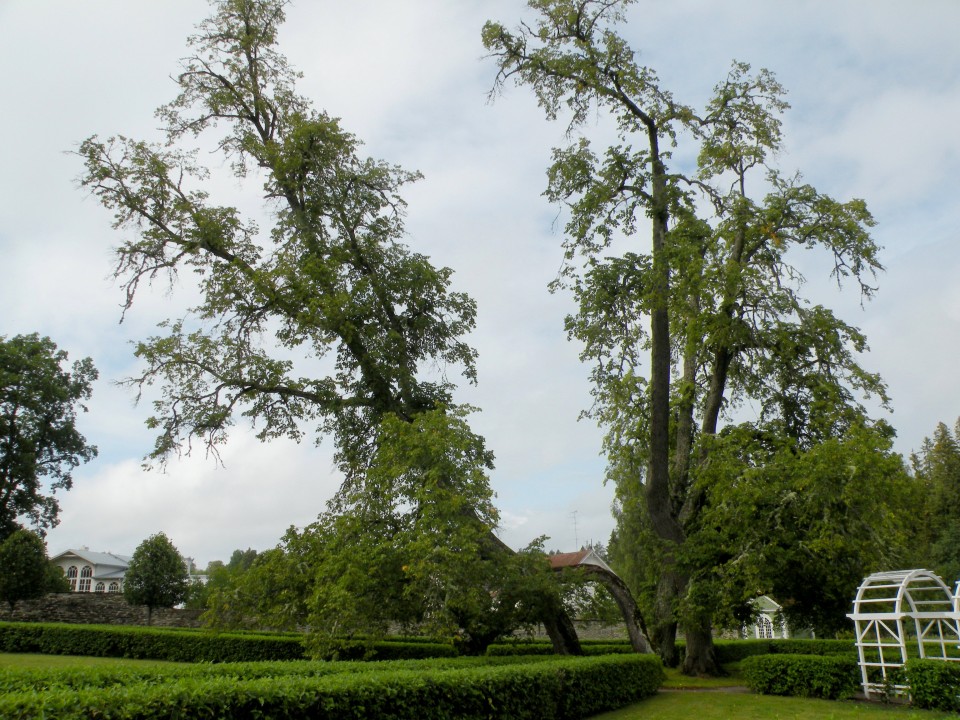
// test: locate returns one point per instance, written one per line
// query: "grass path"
(27, 660)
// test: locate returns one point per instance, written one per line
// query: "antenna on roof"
(576, 536)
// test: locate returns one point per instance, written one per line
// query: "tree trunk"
(560, 628)
(665, 628)
(628, 607)
(701, 657)
(554, 617)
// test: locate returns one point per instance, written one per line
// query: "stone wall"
(95, 609)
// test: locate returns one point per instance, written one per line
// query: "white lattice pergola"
(898, 615)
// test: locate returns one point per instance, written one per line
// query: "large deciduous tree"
(707, 313)
(329, 324)
(39, 442)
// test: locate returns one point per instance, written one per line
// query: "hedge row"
(934, 684)
(566, 689)
(727, 651)
(191, 646)
(13, 679)
(735, 650)
(506, 649)
(818, 676)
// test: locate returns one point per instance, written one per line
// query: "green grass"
(678, 681)
(27, 660)
(744, 706)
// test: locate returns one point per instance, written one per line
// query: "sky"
(874, 87)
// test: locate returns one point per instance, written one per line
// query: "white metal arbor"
(898, 615)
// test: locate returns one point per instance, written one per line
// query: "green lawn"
(678, 681)
(706, 705)
(26, 660)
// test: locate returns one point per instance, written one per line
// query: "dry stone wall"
(95, 609)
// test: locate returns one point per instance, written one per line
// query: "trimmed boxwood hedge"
(934, 684)
(818, 676)
(727, 651)
(561, 689)
(190, 645)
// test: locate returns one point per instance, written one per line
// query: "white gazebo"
(898, 615)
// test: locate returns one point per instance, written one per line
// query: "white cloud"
(874, 88)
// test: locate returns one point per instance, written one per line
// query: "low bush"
(540, 648)
(565, 689)
(818, 676)
(735, 650)
(191, 646)
(42, 679)
(934, 684)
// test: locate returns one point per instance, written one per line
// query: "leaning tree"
(331, 282)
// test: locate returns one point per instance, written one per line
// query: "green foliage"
(332, 327)
(562, 689)
(830, 677)
(804, 525)
(934, 684)
(715, 302)
(25, 571)
(39, 442)
(192, 646)
(156, 575)
(936, 467)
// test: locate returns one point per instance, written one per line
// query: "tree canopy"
(39, 442)
(156, 576)
(708, 314)
(25, 571)
(328, 325)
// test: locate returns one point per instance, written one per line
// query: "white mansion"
(90, 571)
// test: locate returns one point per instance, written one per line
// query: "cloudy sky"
(875, 92)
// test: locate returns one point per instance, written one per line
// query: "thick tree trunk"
(554, 618)
(701, 657)
(560, 628)
(665, 627)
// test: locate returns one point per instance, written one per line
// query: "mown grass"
(706, 705)
(678, 681)
(27, 660)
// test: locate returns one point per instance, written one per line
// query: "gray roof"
(96, 558)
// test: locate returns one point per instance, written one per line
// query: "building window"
(99, 588)
(114, 587)
(72, 577)
(764, 628)
(85, 574)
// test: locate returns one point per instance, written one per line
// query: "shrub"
(735, 650)
(819, 676)
(190, 645)
(934, 684)
(562, 689)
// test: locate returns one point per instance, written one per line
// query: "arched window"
(114, 587)
(764, 628)
(72, 577)
(85, 574)
(99, 588)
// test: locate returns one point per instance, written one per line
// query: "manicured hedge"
(503, 649)
(563, 689)
(13, 679)
(819, 676)
(735, 650)
(934, 684)
(190, 646)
